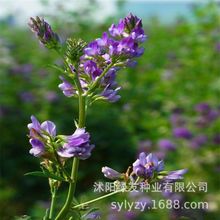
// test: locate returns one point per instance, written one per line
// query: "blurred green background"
(179, 70)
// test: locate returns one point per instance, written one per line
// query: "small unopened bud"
(111, 174)
(74, 49)
(44, 32)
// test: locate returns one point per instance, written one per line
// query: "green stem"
(105, 196)
(52, 205)
(97, 199)
(74, 173)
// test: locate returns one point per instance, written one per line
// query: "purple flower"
(182, 132)
(34, 127)
(110, 173)
(39, 135)
(145, 166)
(130, 215)
(90, 67)
(166, 144)
(216, 139)
(198, 141)
(109, 78)
(37, 129)
(37, 148)
(104, 40)
(49, 127)
(67, 88)
(77, 145)
(117, 30)
(109, 84)
(44, 32)
(203, 108)
(212, 115)
(176, 175)
(93, 215)
(27, 96)
(202, 122)
(138, 35)
(130, 25)
(51, 96)
(119, 48)
(92, 49)
(217, 47)
(149, 168)
(111, 94)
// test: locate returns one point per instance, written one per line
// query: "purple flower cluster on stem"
(92, 69)
(104, 57)
(43, 137)
(145, 168)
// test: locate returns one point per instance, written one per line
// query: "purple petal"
(37, 147)
(142, 158)
(176, 175)
(110, 173)
(35, 124)
(151, 158)
(49, 127)
(160, 166)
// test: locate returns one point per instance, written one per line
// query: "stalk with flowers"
(89, 75)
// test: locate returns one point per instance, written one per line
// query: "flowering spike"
(74, 49)
(44, 32)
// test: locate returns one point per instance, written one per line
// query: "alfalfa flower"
(146, 166)
(149, 168)
(111, 173)
(77, 145)
(44, 32)
(40, 135)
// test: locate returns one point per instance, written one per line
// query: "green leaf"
(54, 66)
(35, 173)
(46, 174)
(55, 177)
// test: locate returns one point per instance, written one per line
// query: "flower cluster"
(145, 168)
(44, 32)
(45, 142)
(103, 57)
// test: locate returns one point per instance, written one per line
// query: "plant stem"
(105, 196)
(97, 199)
(52, 205)
(74, 172)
